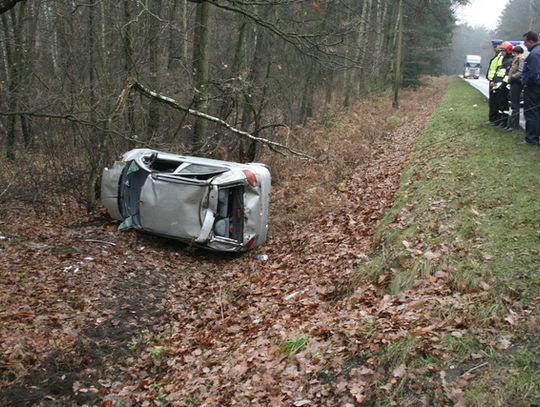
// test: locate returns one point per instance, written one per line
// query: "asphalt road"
(482, 85)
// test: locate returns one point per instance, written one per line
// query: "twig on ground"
(221, 305)
(5, 190)
(475, 368)
(99, 241)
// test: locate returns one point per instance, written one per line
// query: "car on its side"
(218, 205)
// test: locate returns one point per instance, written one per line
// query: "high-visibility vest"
(500, 79)
(493, 65)
(502, 73)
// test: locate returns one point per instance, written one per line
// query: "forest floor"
(403, 269)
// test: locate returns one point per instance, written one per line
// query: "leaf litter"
(84, 309)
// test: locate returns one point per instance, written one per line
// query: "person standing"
(493, 65)
(516, 70)
(531, 89)
(499, 86)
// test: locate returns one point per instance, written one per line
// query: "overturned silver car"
(219, 205)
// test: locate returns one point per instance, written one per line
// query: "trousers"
(515, 96)
(502, 105)
(494, 115)
(531, 109)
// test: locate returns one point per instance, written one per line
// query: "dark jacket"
(531, 70)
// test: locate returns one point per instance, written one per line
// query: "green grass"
(460, 348)
(399, 352)
(488, 189)
(293, 346)
(471, 192)
(513, 380)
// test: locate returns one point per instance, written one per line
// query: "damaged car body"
(219, 205)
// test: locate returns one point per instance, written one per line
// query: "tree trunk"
(329, 88)
(129, 68)
(10, 94)
(397, 76)
(200, 70)
(5, 55)
(237, 69)
(306, 109)
(152, 127)
(347, 73)
(53, 42)
(254, 79)
(380, 43)
(27, 68)
(184, 28)
(327, 73)
(93, 170)
(14, 62)
(174, 43)
(363, 49)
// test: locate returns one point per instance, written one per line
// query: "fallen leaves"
(245, 353)
(432, 255)
(211, 330)
(512, 319)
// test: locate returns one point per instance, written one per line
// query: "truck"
(472, 66)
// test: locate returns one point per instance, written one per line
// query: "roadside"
(482, 85)
(465, 225)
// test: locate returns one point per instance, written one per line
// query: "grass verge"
(468, 209)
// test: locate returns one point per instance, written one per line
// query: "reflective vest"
(501, 77)
(493, 65)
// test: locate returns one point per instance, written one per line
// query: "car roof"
(140, 152)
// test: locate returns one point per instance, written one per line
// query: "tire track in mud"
(133, 301)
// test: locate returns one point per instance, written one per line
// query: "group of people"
(509, 74)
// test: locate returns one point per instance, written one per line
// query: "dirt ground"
(91, 316)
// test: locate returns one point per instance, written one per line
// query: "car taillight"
(249, 244)
(251, 178)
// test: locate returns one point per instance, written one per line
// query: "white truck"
(472, 66)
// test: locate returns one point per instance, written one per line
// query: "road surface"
(482, 85)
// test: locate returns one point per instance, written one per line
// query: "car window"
(199, 169)
(163, 165)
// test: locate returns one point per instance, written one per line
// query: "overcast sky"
(481, 12)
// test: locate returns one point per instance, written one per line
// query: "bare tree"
(253, 66)
(13, 31)
(200, 72)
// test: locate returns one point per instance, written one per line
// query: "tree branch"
(136, 85)
(6, 5)
(303, 42)
(73, 118)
